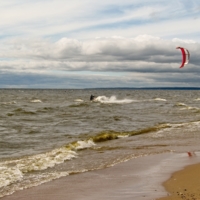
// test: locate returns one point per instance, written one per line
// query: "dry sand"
(184, 184)
(138, 179)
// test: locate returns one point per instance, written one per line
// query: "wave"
(41, 161)
(190, 108)
(112, 135)
(12, 171)
(45, 109)
(20, 111)
(112, 99)
(31, 180)
(186, 107)
(172, 127)
(80, 145)
(9, 175)
(160, 99)
(36, 101)
(8, 103)
(181, 104)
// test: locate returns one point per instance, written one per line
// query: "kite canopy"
(185, 56)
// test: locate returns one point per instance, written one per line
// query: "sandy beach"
(140, 178)
(184, 184)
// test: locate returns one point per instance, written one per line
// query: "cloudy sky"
(92, 43)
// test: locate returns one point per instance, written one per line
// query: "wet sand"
(140, 179)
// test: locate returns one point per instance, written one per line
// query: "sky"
(98, 44)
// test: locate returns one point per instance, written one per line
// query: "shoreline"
(139, 178)
(184, 184)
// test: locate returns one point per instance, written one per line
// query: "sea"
(46, 134)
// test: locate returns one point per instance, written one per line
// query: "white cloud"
(177, 40)
(143, 53)
(88, 19)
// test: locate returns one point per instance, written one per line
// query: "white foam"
(181, 104)
(171, 127)
(112, 99)
(193, 108)
(32, 180)
(9, 175)
(8, 103)
(85, 144)
(160, 99)
(190, 108)
(78, 100)
(39, 162)
(36, 101)
(123, 136)
(43, 161)
(15, 173)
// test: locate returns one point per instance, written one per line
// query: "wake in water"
(112, 99)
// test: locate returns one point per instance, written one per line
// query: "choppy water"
(47, 134)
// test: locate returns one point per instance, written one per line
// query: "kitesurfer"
(92, 98)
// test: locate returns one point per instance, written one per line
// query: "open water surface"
(47, 134)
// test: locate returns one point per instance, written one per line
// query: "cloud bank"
(129, 62)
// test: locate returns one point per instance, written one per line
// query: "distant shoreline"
(109, 88)
(147, 88)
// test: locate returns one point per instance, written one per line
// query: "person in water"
(92, 97)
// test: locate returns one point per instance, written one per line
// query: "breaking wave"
(160, 99)
(14, 170)
(112, 99)
(36, 101)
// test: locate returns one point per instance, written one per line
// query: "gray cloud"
(105, 62)
(103, 54)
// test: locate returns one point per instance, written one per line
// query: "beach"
(184, 184)
(139, 179)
